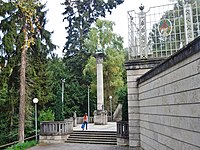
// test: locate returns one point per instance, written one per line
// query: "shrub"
(46, 115)
(22, 146)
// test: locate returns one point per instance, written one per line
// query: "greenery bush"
(46, 115)
(22, 146)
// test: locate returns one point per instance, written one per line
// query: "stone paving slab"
(111, 126)
(77, 146)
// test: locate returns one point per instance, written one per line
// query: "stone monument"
(100, 115)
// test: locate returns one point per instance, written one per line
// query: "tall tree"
(22, 22)
(29, 19)
(80, 15)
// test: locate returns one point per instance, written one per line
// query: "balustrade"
(122, 129)
(56, 127)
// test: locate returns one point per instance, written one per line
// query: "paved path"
(111, 126)
(77, 146)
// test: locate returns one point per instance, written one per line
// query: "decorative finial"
(141, 7)
(187, 1)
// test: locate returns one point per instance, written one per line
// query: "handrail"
(15, 142)
(118, 113)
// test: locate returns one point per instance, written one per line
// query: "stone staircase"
(93, 137)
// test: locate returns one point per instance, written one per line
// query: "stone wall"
(53, 139)
(168, 103)
(134, 71)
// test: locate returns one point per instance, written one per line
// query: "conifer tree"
(23, 31)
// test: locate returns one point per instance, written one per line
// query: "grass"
(22, 146)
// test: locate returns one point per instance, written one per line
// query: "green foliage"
(75, 85)
(11, 42)
(44, 69)
(113, 66)
(46, 115)
(81, 14)
(55, 71)
(22, 146)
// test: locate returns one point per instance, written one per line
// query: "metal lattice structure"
(162, 30)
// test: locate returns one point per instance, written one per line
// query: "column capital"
(99, 57)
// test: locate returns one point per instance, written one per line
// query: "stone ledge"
(122, 141)
(142, 64)
(53, 139)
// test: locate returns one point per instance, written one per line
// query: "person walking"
(85, 120)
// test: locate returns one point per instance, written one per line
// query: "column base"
(100, 117)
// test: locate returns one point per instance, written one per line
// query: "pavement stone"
(111, 126)
(78, 146)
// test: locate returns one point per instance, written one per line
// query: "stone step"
(93, 142)
(93, 137)
(96, 132)
(93, 134)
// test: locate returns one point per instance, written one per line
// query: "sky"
(119, 16)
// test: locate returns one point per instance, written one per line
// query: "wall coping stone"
(142, 64)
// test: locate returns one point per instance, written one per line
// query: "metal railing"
(16, 142)
(56, 127)
(122, 129)
(162, 30)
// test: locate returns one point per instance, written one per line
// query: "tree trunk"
(22, 88)
(12, 114)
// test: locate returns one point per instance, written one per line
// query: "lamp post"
(35, 101)
(88, 103)
(63, 81)
(110, 97)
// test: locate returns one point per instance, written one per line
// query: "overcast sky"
(119, 16)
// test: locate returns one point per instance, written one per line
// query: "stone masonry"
(164, 102)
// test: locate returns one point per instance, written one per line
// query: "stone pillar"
(100, 93)
(100, 116)
(75, 119)
(135, 69)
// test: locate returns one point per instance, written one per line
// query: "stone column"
(75, 119)
(100, 116)
(100, 93)
(136, 69)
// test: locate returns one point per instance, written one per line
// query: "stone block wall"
(170, 108)
(53, 139)
(133, 107)
(164, 102)
(134, 71)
